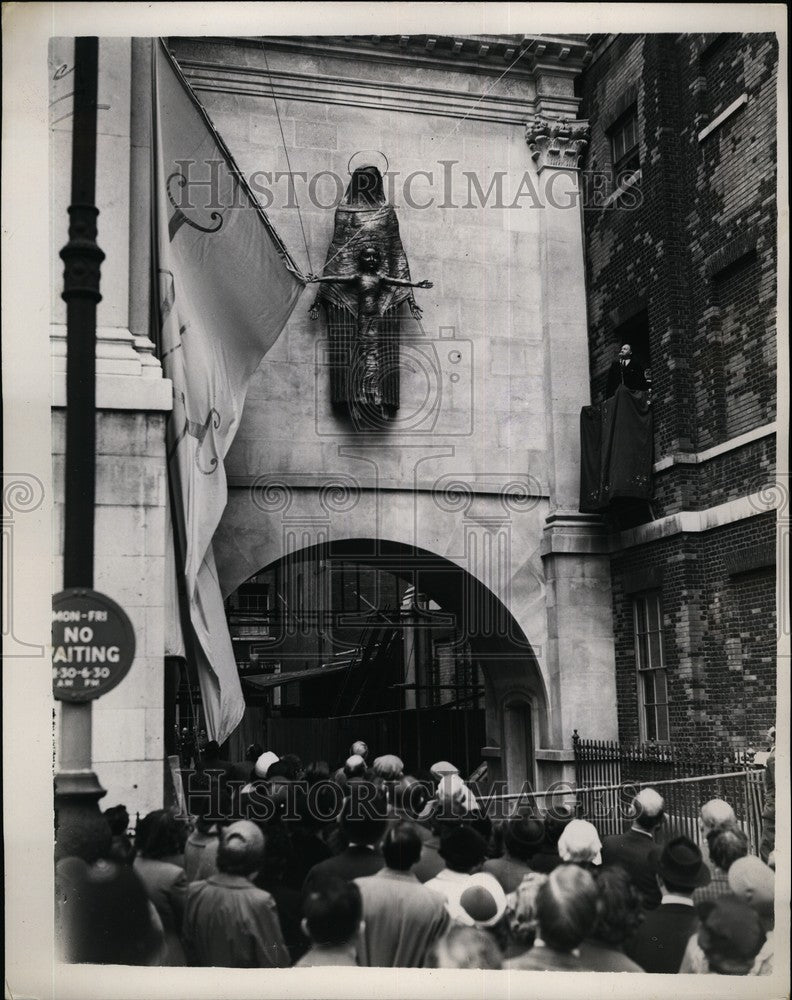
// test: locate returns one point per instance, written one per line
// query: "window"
(635, 332)
(652, 678)
(624, 145)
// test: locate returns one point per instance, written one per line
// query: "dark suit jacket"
(354, 862)
(631, 374)
(631, 850)
(659, 943)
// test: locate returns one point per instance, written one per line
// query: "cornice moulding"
(487, 54)
(247, 81)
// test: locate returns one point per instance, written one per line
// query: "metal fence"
(609, 773)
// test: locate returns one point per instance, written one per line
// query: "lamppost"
(77, 789)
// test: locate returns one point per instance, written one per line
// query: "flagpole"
(175, 506)
(77, 789)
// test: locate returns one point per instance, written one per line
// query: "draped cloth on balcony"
(616, 440)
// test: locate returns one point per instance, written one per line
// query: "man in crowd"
(733, 939)
(619, 913)
(465, 948)
(729, 939)
(463, 850)
(767, 846)
(522, 839)
(364, 818)
(228, 921)
(632, 850)
(659, 943)
(753, 882)
(725, 847)
(332, 912)
(714, 816)
(556, 820)
(402, 918)
(566, 910)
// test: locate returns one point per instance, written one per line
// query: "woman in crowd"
(618, 915)
(158, 838)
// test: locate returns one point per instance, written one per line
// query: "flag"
(226, 287)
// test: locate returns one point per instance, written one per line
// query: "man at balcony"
(625, 371)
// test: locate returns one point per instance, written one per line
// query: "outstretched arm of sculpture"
(313, 279)
(407, 284)
(415, 309)
(338, 279)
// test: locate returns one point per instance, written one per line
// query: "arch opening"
(389, 643)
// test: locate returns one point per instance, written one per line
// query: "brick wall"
(690, 253)
(718, 629)
(725, 477)
(694, 244)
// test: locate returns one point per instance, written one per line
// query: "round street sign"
(93, 644)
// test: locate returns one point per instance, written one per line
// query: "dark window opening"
(653, 720)
(624, 146)
(635, 332)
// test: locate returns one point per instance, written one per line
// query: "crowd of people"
(276, 863)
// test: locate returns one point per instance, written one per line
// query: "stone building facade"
(483, 137)
(681, 262)
(485, 181)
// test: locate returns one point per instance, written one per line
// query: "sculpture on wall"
(365, 280)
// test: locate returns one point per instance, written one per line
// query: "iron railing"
(608, 773)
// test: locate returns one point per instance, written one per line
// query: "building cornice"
(206, 77)
(491, 54)
(541, 72)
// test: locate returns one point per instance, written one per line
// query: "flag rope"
(233, 167)
(286, 151)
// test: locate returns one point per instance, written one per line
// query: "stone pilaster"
(132, 400)
(121, 204)
(580, 645)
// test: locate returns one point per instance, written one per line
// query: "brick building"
(680, 229)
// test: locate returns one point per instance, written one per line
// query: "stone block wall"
(129, 536)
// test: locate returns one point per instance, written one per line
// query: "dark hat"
(681, 864)
(730, 930)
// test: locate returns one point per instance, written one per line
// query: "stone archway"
(443, 596)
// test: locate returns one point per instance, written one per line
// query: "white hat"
(452, 786)
(264, 763)
(580, 842)
(483, 901)
(442, 768)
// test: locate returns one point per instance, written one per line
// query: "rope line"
(476, 103)
(288, 160)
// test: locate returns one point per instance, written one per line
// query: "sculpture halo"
(368, 158)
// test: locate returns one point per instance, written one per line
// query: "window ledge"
(696, 458)
(741, 101)
(623, 188)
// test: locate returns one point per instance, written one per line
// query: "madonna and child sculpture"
(366, 278)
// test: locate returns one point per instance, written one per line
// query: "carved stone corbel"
(556, 142)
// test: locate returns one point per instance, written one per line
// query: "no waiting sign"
(93, 644)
